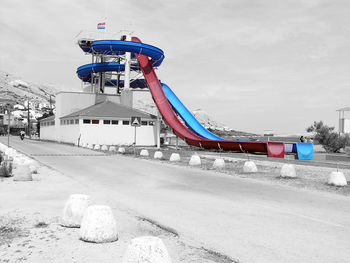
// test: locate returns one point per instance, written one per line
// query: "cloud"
(223, 56)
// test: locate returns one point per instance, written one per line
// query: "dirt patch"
(30, 229)
(11, 228)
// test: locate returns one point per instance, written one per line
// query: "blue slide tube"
(186, 115)
(304, 150)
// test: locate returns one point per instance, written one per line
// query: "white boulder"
(22, 173)
(175, 157)
(337, 179)
(288, 171)
(74, 210)
(98, 225)
(97, 147)
(121, 150)
(249, 167)
(112, 148)
(144, 153)
(18, 161)
(33, 168)
(90, 146)
(195, 160)
(158, 155)
(148, 249)
(219, 163)
(104, 148)
(10, 152)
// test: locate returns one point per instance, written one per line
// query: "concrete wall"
(119, 134)
(344, 125)
(48, 133)
(69, 133)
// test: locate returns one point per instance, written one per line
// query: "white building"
(344, 121)
(98, 119)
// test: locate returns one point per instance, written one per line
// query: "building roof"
(108, 109)
(50, 118)
(344, 109)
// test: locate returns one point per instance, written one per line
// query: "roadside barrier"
(219, 163)
(288, 171)
(22, 173)
(97, 147)
(104, 148)
(195, 160)
(158, 155)
(121, 150)
(144, 153)
(146, 249)
(74, 210)
(98, 225)
(112, 148)
(175, 157)
(337, 179)
(249, 167)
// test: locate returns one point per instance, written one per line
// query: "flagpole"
(106, 8)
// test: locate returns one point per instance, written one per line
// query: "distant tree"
(45, 115)
(328, 138)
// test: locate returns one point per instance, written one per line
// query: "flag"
(101, 25)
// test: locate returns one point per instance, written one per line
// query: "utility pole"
(50, 103)
(28, 117)
(8, 125)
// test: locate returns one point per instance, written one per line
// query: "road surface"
(248, 220)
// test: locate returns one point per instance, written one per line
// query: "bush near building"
(328, 138)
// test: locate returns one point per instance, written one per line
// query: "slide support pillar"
(158, 129)
(127, 66)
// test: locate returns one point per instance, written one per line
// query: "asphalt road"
(248, 220)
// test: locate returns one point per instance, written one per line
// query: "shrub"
(328, 138)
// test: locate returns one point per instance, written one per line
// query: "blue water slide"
(117, 47)
(304, 150)
(186, 115)
(84, 72)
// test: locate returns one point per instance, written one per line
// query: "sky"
(253, 65)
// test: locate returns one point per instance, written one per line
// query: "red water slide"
(273, 149)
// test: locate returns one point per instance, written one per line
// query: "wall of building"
(69, 133)
(345, 126)
(119, 134)
(48, 133)
(69, 102)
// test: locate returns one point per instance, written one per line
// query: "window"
(151, 123)
(76, 121)
(71, 121)
(143, 122)
(115, 122)
(52, 122)
(95, 121)
(61, 122)
(64, 122)
(106, 122)
(126, 122)
(86, 121)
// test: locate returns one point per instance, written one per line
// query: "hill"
(18, 90)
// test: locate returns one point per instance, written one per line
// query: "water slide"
(186, 115)
(193, 133)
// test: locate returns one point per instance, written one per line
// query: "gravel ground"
(30, 229)
(311, 177)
